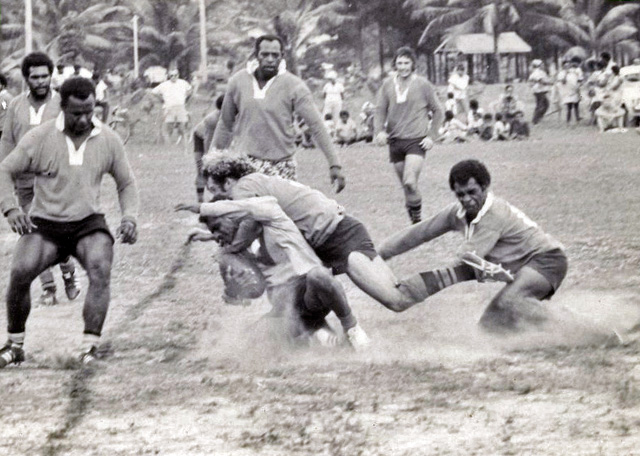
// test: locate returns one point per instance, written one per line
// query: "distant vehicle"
(630, 92)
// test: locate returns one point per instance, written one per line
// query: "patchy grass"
(188, 375)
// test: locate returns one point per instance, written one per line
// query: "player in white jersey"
(494, 232)
(298, 286)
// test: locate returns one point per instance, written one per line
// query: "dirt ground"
(185, 374)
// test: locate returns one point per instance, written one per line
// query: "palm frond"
(445, 21)
(616, 16)
(620, 33)
(552, 25)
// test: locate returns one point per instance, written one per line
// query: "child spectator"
(486, 130)
(519, 127)
(330, 125)
(474, 118)
(346, 129)
(366, 122)
(452, 130)
(500, 129)
(609, 114)
(450, 104)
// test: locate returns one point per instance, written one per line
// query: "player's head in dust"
(222, 171)
(470, 180)
(223, 228)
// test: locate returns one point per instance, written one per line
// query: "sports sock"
(200, 194)
(421, 286)
(88, 341)
(67, 267)
(16, 339)
(415, 211)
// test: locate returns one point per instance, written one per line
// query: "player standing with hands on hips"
(405, 103)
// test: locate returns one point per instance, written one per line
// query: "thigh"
(413, 167)
(398, 167)
(33, 254)
(95, 252)
(529, 283)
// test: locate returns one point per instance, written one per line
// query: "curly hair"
(220, 166)
(466, 169)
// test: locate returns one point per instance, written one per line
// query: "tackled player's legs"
(376, 278)
(33, 254)
(325, 292)
(95, 253)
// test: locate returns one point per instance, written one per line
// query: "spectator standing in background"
(540, 85)
(333, 94)
(5, 98)
(458, 84)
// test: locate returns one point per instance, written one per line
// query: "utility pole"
(136, 68)
(28, 27)
(203, 42)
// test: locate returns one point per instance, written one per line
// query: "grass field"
(188, 375)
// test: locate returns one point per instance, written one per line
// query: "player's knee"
(99, 272)
(410, 186)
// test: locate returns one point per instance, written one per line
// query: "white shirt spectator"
(174, 93)
(101, 90)
(333, 91)
(458, 83)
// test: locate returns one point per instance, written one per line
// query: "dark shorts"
(293, 293)
(400, 148)
(198, 144)
(349, 236)
(65, 235)
(552, 265)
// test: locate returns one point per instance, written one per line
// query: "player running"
(299, 288)
(407, 104)
(494, 232)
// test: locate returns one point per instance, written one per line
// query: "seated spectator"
(500, 129)
(610, 114)
(474, 117)
(486, 130)
(346, 129)
(365, 130)
(452, 130)
(507, 104)
(519, 127)
(450, 104)
(330, 125)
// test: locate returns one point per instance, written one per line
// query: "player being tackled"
(300, 289)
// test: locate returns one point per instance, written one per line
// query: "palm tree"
(168, 35)
(450, 18)
(602, 26)
(69, 29)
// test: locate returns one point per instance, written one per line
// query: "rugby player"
(299, 288)
(258, 114)
(69, 156)
(494, 232)
(26, 111)
(406, 105)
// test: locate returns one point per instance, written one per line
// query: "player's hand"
(20, 222)
(195, 208)
(127, 232)
(426, 143)
(337, 178)
(198, 234)
(380, 139)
